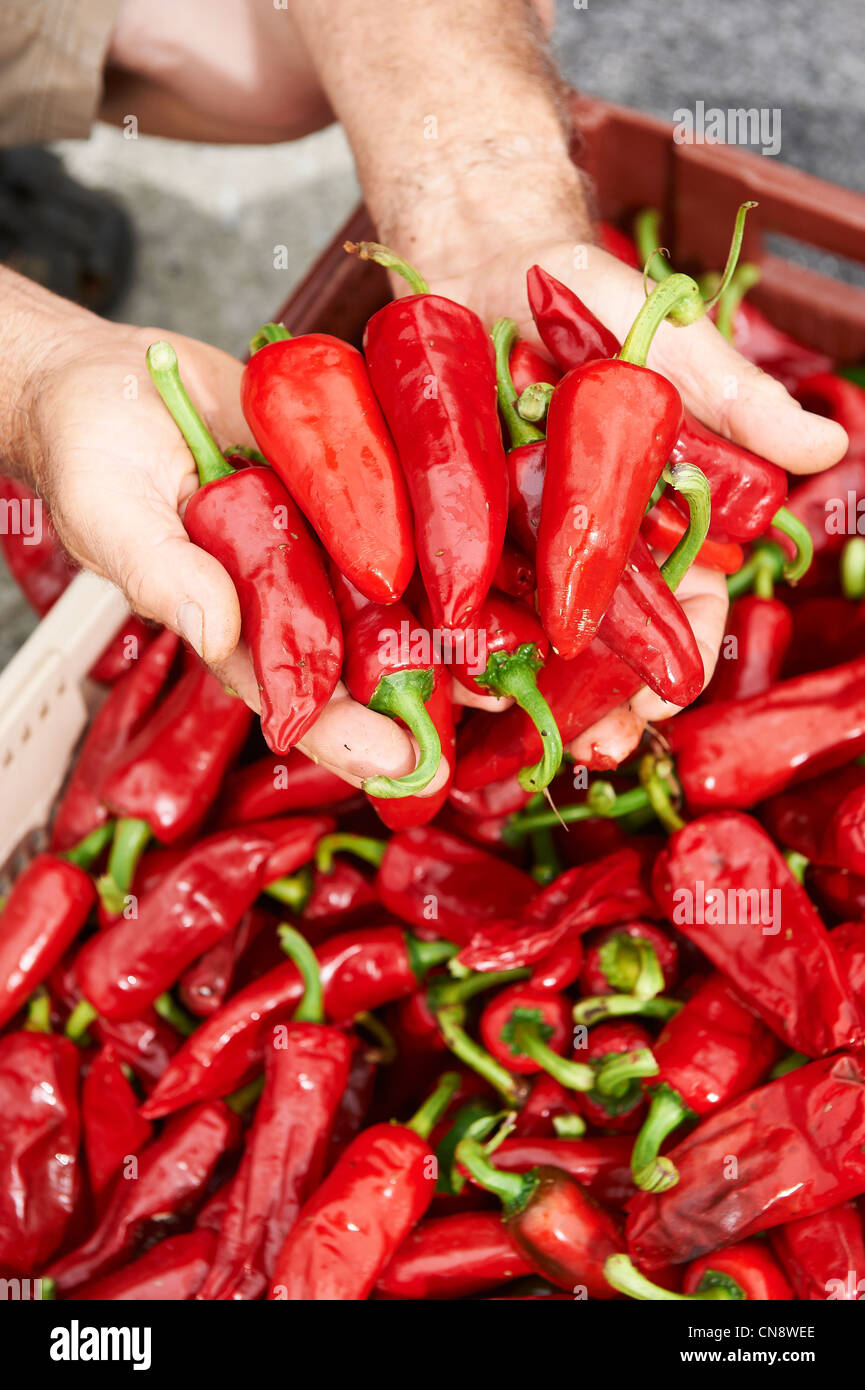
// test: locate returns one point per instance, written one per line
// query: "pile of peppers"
(552, 1031)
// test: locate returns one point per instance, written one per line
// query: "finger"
(608, 742)
(238, 674)
(730, 394)
(473, 699)
(703, 595)
(356, 743)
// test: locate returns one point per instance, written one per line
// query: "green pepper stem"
(595, 1008)
(693, 484)
(403, 695)
(514, 674)
(162, 365)
(311, 1007)
(630, 965)
(653, 778)
(746, 277)
(622, 1275)
(444, 990)
(39, 1012)
(647, 234)
(247, 1095)
(386, 1050)
(615, 1076)
(292, 892)
(510, 1087)
(268, 333)
(131, 838)
(650, 1171)
(425, 1119)
(569, 1126)
(168, 1008)
(657, 493)
(534, 401)
(371, 851)
(764, 566)
(792, 527)
(575, 1076)
(47, 1289)
(732, 255)
(514, 1190)
(520, 825)
(797, 864)
(853, 568)
(476, 1115)
(91, 848)
(424, 956)
(80, 1020)
(382, 255)
(520, 431)
(792, 1061)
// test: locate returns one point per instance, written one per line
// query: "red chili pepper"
(803, 817)
(714, 1049)
(361, 970)
(619, 244)
(173, 1271)
(773, 350)
(432, 369)
(515, 574)
(621, 1052)
(739, 752)
(389, 668)
(549, 1108)
(353, 1106)
(631, 958)
(145, 1044)
(554, 1223)
(407, 812)
(113, 1129)
(125, 968)
(39, 1170)
(798, 1146)
(530, 364)
(600, 1164)
(306, 1070)
(758, 636)
(838, 892)
(115, 724)
(204, 984)
(724, 871)
(746, 490)
(452, 1257)
(827, 631)
(823, 1255)
(170, 773)
(277, 787)
(560, 968)
(527, 1030)
(47, 907)
(827, 505)
(310, 404)
(350, 1229)
(173, 1172)
(247, 520)
(663, 527)
(848, 941)
(743, 1271)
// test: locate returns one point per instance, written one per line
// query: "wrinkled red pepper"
(113, 1129)
(452, 1257)
(173, 1271)
(278, 787)
(823, 1255)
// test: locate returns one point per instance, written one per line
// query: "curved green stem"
(91, 848)
(616, 1076)
(475, 1119)
(657, 493)
(746, 277)
(382, 255)
(732, 255)
(853, 568)
(693, 484)
(246, 451)
(520, 431)
(514, 674)
(630, 965)
(268, 333)
(791, 1062)
(514, 1190)
(162, 366)
(647, 234)
(47, 1289)
(371, 851)
(168, 1009)
(386, 1050)
(575, 1076)
(654, 773)
(792, 527)
(650, 1171)
(241, 1099)
(131, 838)
(444, 991)
(425, 1119)
(403, 695)
(292, 891)
(39, 1012)
(797, 864)
(764, 566)
(622, 1275)
(595, 1008)
(598, 806)
(424, 956)
(534, 401)
(569, 1126)
(511, 1088)
(80, 1020)
(311, 1007)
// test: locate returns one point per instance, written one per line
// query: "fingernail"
(190, 625)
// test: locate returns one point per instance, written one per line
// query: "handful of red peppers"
(553, 1036)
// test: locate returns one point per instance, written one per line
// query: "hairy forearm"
(453, 111)
(32, 323)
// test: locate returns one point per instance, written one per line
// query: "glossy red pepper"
(530, 364)
(205, 983)
(631, 958)
(247, 520)
(389, 666)
(125, 968)
(113, 1129)
(351, 1228)
(170, 773)
(803, 817)
(838, 892)
(40, 1176)
(560, 968)
(663, 527)
(619, 244)
(306, 1069)
(173, 1172)
(746, 490)
(406, 812)
(172, 1271)
(739, 752)
(797, 1143)
(361, 970)
(549, 1108)
(554, 1223)
(827, 505)
(277, 787)
(758, 636)
(827, 631)
(47, 907)
(724, 884)
(515, 573)
(714, 1049)
(745, 1271)
(621, 1052)
(823, 1255)
(828, 394)
(145, 1043)
(848, 941)
(353, 1106)
(452, 1257)
(601, 1164)
(432, 369)
(518, 1019)
(773, 350)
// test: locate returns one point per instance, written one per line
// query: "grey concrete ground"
(205, 216)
